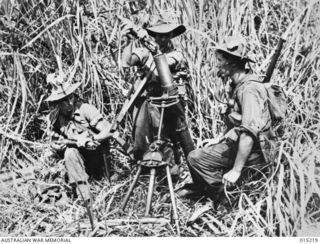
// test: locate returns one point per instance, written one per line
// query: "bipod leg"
(161, 120)
(150, 190)
(106, 161)
(173, 200)
(136, 177)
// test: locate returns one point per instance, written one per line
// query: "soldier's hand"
(142, 33)
(231, 176)
(222, 108)
(82, 141)
(126, 28)
(58, 146)
(92, 145)
(210, 142)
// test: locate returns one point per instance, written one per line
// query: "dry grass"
(38, 37)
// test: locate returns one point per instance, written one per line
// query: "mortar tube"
(165, 75)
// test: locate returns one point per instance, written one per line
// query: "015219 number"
(308, 239)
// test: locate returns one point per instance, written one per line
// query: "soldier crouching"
(249, 140)
(79, 130)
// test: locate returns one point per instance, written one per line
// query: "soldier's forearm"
(104, 131)
(103, 135)
(244, 150)
(127, 56)
(131, 58)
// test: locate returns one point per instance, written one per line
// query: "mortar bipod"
(153, 159)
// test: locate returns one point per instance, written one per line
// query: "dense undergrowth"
(38, 37)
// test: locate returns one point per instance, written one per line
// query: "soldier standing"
(248, 141)
(145, 115)
(82, 123)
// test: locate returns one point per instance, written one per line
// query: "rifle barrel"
(274, 60)
(283, 38)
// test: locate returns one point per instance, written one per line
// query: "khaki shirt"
(84, 120)
(251, 101)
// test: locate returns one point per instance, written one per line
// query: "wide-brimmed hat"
(236, 46)
(60, 89)
(166, 29)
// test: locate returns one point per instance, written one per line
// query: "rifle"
(274, 60)
(279, 47)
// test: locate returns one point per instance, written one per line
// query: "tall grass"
(38, 37)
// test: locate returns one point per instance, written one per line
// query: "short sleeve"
(133, 55)
(91, 114)
(142, 54)
(255, 113)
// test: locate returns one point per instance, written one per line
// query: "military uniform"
(82, 124)
(207, 165)
(145, 115)
(80, 162)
